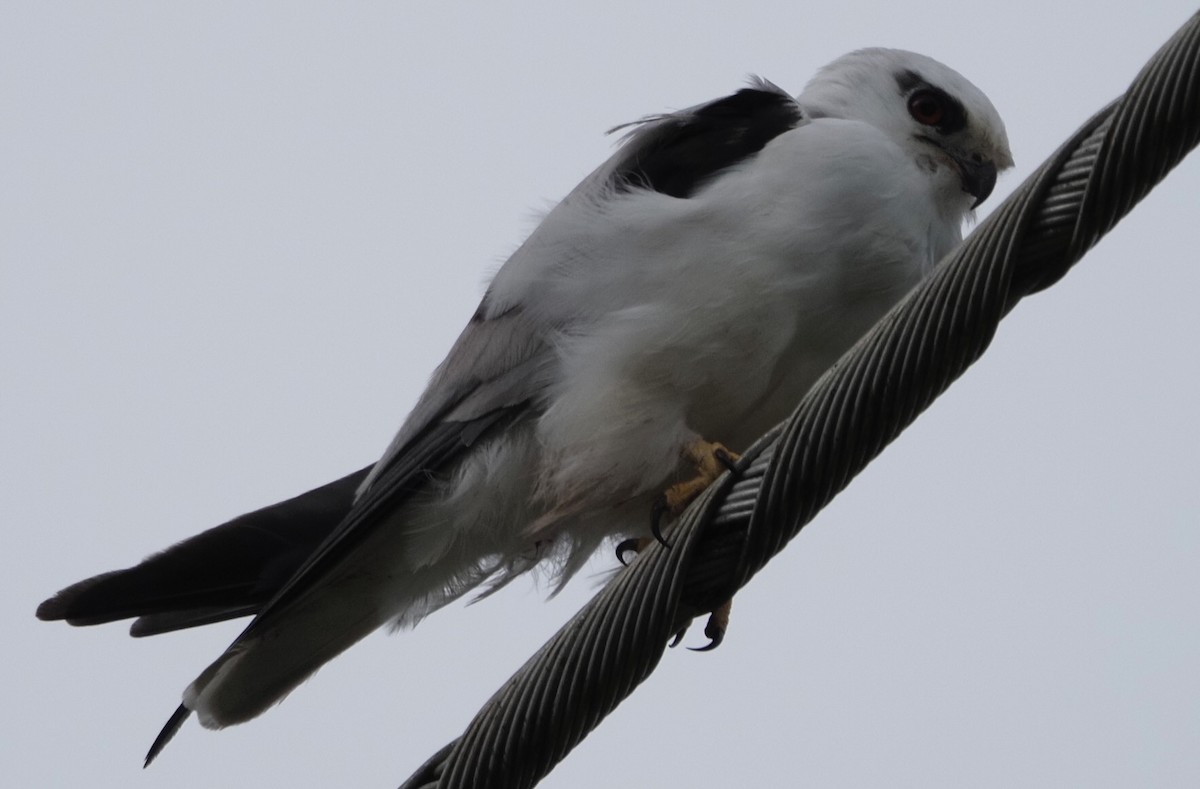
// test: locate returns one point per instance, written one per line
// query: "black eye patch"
(954, 115)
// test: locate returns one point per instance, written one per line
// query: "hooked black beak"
(978, 178)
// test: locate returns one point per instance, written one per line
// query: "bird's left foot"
(710, 460)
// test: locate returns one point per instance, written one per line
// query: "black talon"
(624, 547)
(715, 635)
(678, 637)
(656, 513)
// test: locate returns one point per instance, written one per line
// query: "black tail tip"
(52, 610)
(169, 730)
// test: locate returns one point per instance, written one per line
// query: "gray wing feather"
(496, 362)
(495, 373)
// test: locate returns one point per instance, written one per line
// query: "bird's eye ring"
(927, 108)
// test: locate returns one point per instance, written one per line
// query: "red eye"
(927, 108)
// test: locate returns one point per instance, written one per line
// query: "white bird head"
(932, 111)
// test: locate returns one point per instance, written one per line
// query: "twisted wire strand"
(857, 408)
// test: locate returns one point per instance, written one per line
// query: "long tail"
(229, 571)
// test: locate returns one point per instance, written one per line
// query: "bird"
(681, 299)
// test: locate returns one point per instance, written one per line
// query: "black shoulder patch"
(678, 153)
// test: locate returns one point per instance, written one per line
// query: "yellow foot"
(710, 460)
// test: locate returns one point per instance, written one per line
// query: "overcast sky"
(236, 238)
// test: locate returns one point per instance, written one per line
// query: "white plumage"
(694, 286)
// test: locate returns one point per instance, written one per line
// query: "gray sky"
(235, 243)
